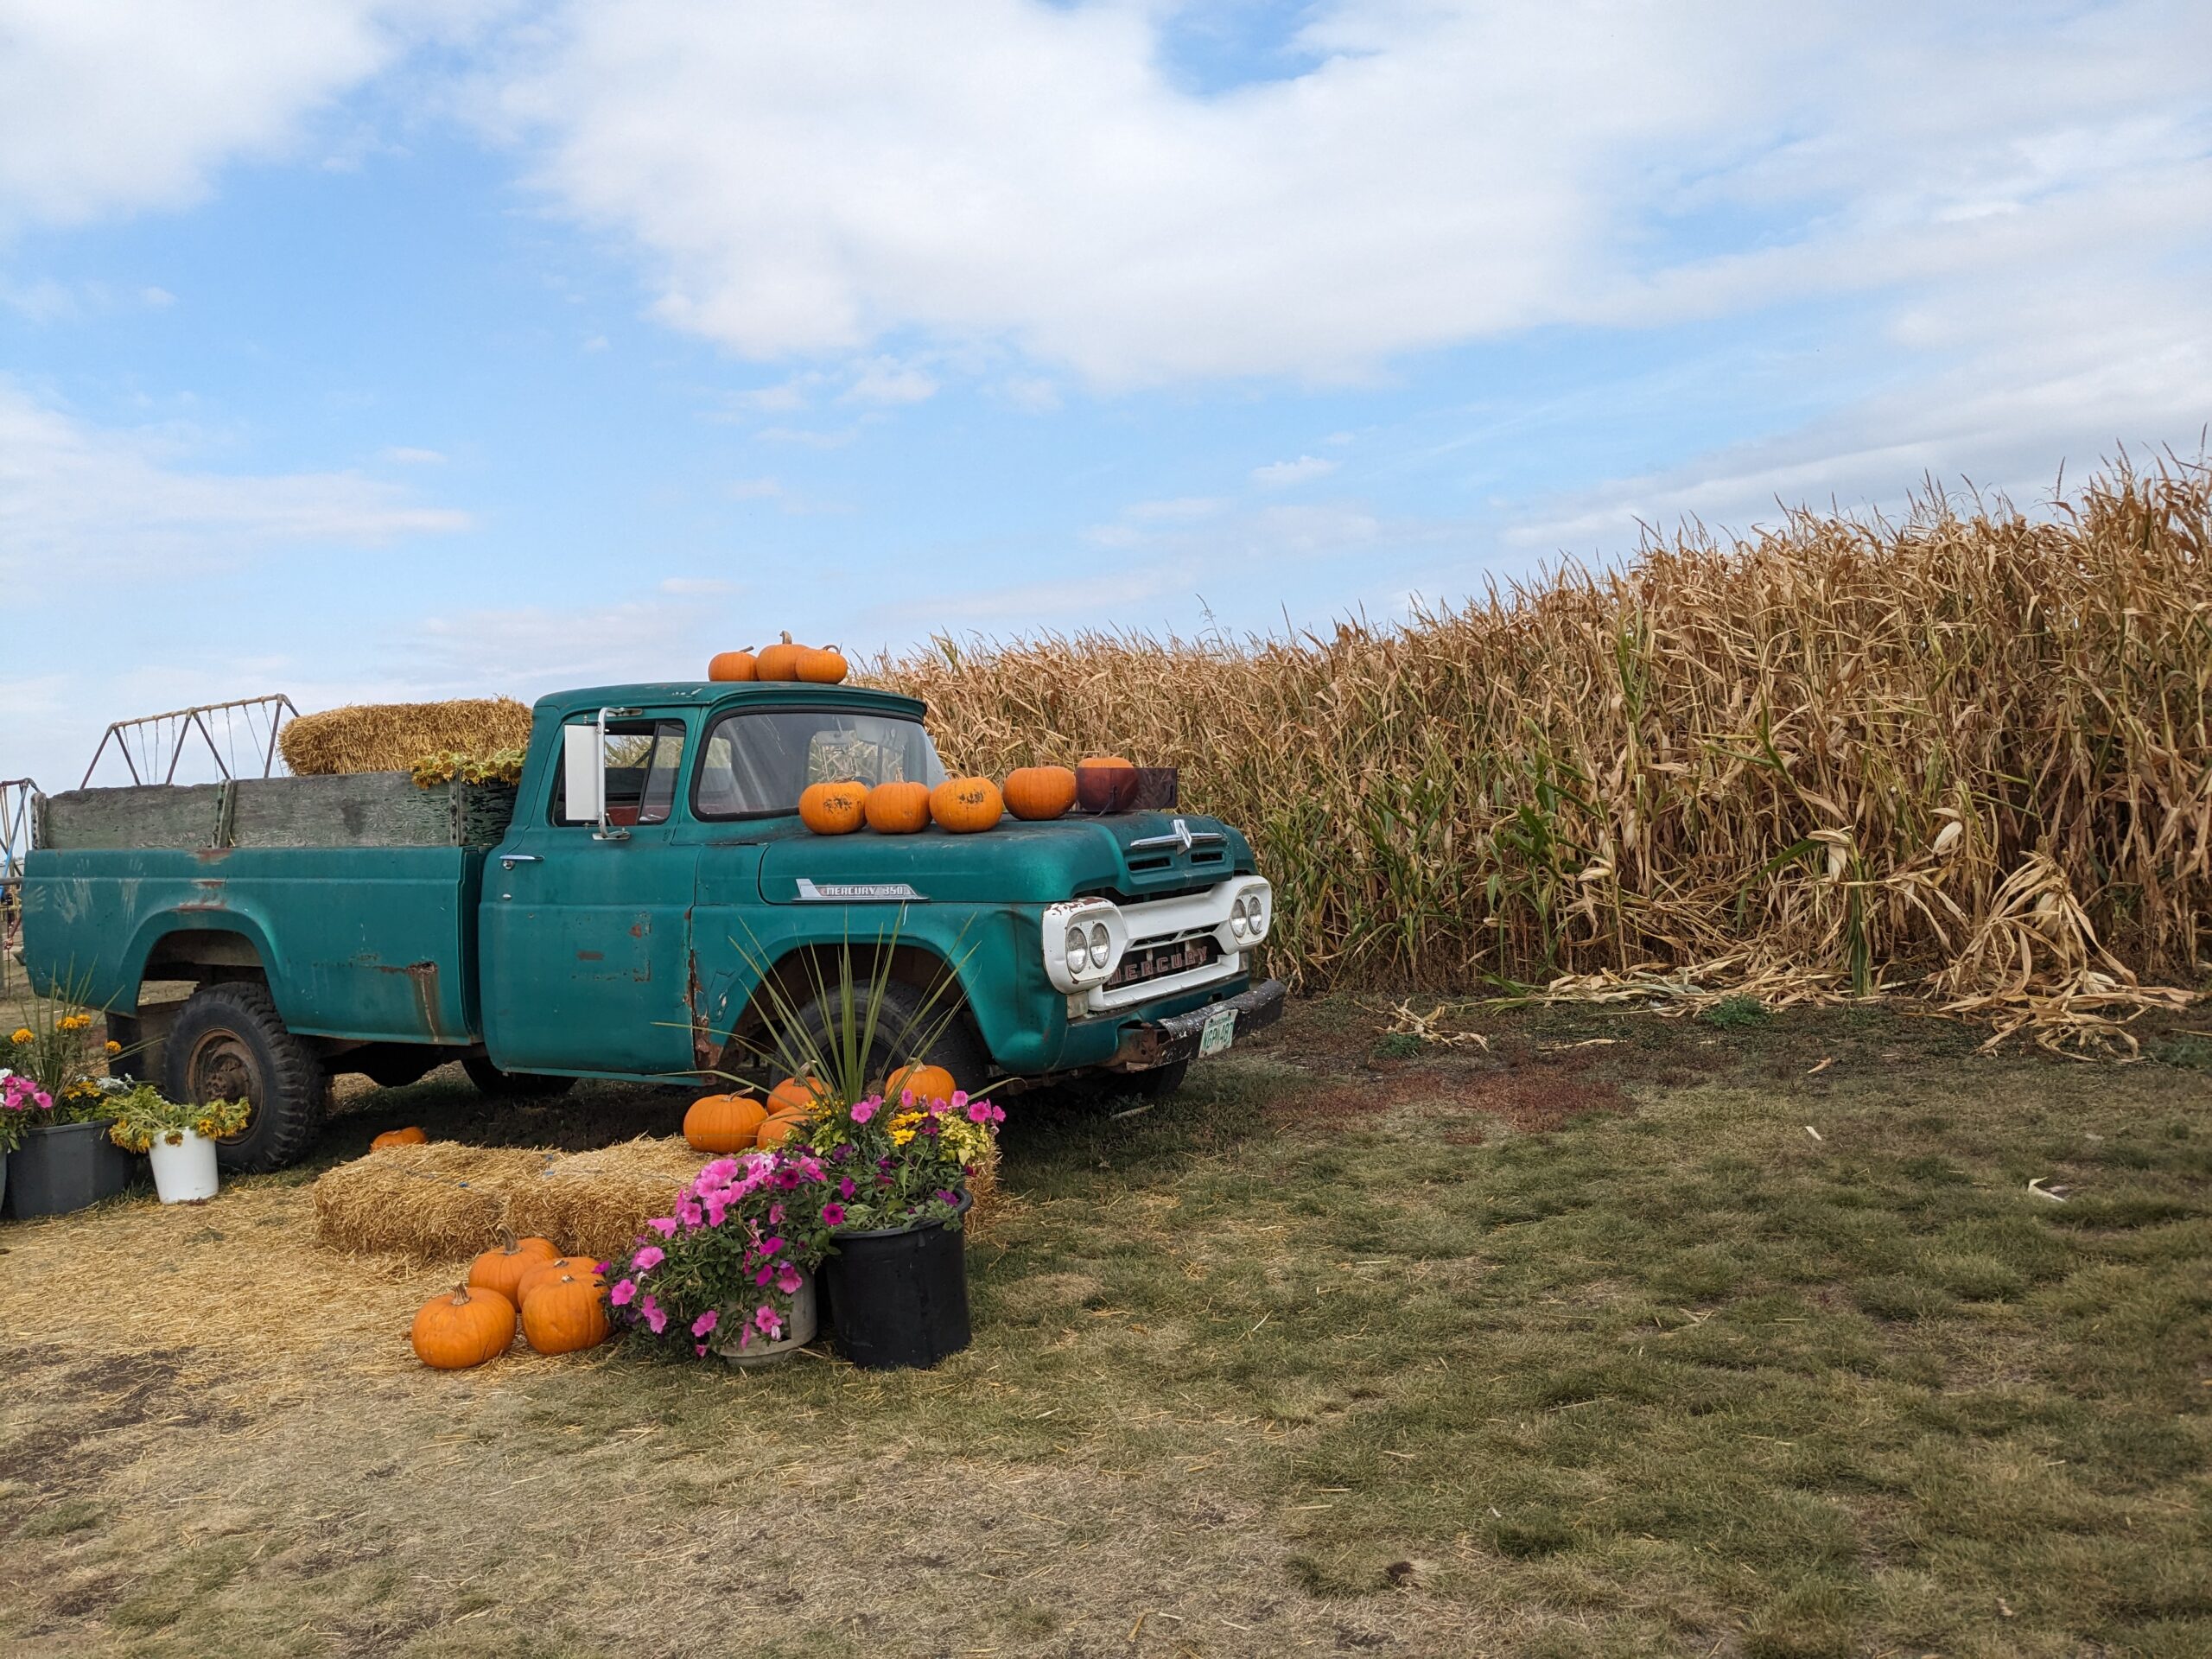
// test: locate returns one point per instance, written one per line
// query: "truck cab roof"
(559, 705)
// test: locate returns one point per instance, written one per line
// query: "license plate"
(1217, 1033)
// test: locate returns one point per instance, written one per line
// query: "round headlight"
(1078, 950)
(1102, 946)
(1256, 910)
(1236, 919)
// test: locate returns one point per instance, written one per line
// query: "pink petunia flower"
(863, 1110)
(979, 1111)
(771, 1325)
(833, 1215)
(656, 1315)
(705, 1323)
(846, 1189)
(664, 1225)
(624, 1292)
(649, 1258)
(789, 1278)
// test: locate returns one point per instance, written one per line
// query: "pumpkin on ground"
(833, 809)
(565, 1313)
(792, 1098)
(927, 1083)
(409, 1136)
(501, 1267)
(777, 1130)
(577, 1267)
(733, 665)
(899, 809)
(463, 1326)
(778, 661)
(823, 665)
(1038, 793)
(964, 806)
(723, 1122)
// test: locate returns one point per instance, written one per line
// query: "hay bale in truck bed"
(393, 736)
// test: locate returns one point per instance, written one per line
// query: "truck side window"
(756, 764)
(643, 759)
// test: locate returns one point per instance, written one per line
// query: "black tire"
(393, 1067)
(512, 1085)
(956, 1048)
(228, 1042)
(1158, 1083)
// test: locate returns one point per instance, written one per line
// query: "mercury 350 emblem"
(1181, 836)
(857, 893)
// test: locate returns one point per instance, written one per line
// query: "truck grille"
(1156, 961)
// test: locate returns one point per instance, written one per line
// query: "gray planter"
(64, 1167)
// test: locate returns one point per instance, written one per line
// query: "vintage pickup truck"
(613, 915)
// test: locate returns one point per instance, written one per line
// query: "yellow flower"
(75, 1021)
(114, 1047)
(23, 1034)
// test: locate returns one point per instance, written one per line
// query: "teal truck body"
(323, 925)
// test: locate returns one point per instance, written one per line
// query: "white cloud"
(887, 381)
(88, 500)
(696, 586)
(404, 455)
(1281, 475)
(810, 178)
(115, 105)
(755, 489)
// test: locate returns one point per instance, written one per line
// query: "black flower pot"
(899, 1295)
(64, 1168)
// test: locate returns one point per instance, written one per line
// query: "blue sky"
(386, 348)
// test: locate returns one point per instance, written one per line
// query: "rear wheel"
(512, 1085)
(229, 1044)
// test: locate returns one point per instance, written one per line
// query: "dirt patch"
(1537, 1099)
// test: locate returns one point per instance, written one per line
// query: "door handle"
(508, 860)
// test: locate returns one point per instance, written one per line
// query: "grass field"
(1745, 1336)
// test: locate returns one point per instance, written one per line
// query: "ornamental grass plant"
(57, 1062)
(1967, 753)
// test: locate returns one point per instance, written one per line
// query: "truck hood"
(1015, 863)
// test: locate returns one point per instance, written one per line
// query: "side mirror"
(583, 778)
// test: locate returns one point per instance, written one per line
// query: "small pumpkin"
(544, 1272)
(565, 1313)
(777, 1130)
(501, 1267)
(1038, 793)
(733, 665)
(964, 806)
(791, 1098)
(899, 809)
(833, 809)
(927, 1083)
(723, 1122)
(409, 1136)
(778, 661)
(822, 665)
(461, 1327)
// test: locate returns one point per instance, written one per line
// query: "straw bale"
(595, 1203)
(438, 1202)
(394, 736)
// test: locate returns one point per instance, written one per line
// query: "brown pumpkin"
(501, 1267)
(1105, 784)
(778, 661)
(791, 1098)
(565, 1313)
(733, 665)
(463, 1326)
(963, 805)
(544, 1272)
(1038, 793)
(777, 1130)
(833, 809)
(927, 1083)
(409, 1136)
(723, 1122)
(822, 665)
(899, 809)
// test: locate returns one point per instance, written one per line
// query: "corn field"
(1968, 754)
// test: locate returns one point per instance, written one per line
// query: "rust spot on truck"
(423, 980)
(212, 854)
(706, 1053)
(591, 955)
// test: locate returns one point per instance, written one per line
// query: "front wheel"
(228, 1043)
(956, 1048)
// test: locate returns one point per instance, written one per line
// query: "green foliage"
(1737, 1013)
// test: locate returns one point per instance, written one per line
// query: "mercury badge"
(857, 893)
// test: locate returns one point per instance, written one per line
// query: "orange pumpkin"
(463, 1326)
(409, 1136)
(501, 1267)
(723, 1122)
(791, 1098)
(1037, 793)
(927, 1082)
(733, 665)
(823, 665)
(899, 809)
(545, 1271)
(1108, 762)
(833, 809)
(777, 1130)
(780, 661)
(964, 806)
(565, 1313)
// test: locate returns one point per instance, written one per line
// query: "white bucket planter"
(184, 1174)
(799, 1330)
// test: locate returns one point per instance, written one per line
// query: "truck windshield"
(758, 762)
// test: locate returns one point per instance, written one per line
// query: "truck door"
(584, 937)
